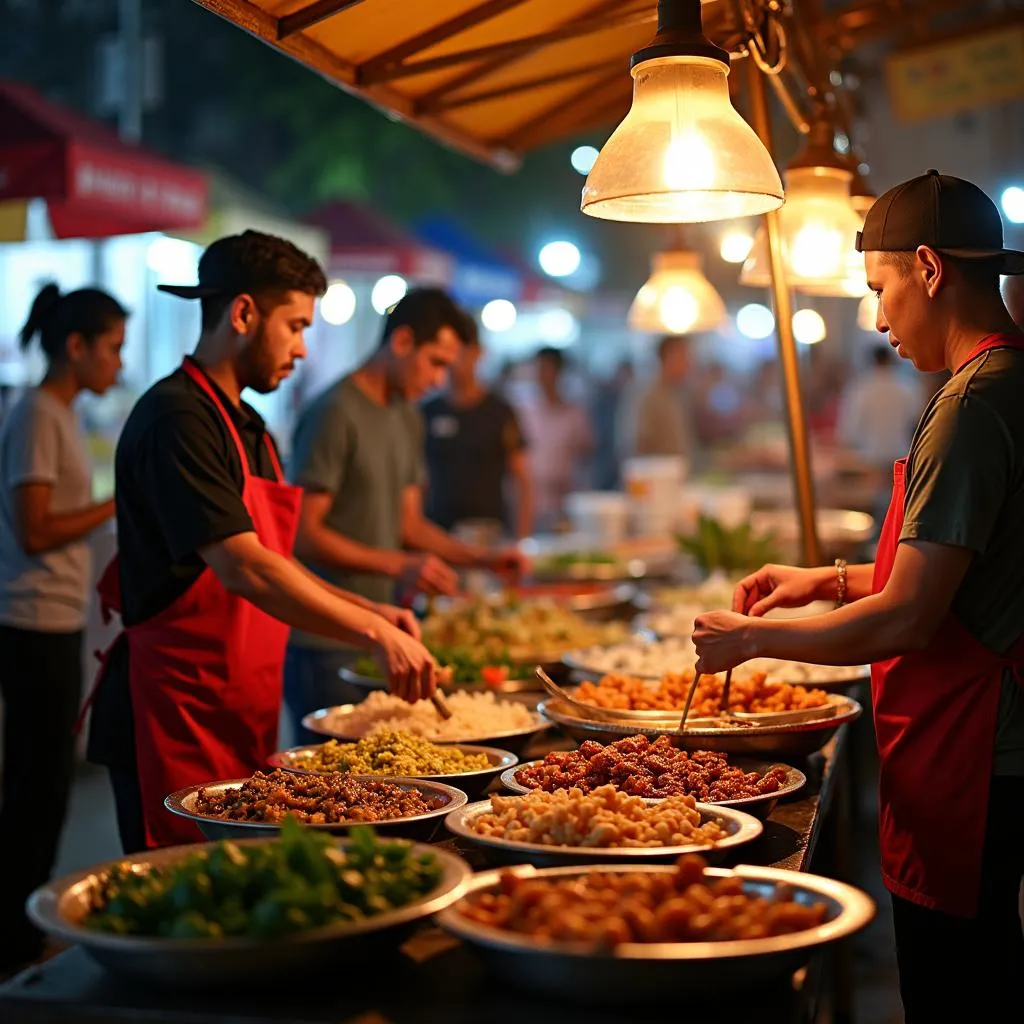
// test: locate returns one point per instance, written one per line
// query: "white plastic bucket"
(652, 487)
(600, 516)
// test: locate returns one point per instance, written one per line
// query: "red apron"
(206, 672)
(935, 716)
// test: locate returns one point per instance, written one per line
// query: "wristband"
(840, 582)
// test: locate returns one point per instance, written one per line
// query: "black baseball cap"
(234, 265)
(950, 215)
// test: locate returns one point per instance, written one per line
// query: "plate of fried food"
(604, 825)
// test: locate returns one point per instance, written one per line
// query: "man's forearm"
(345, 595)
(872, 629)
(276, 586)
(859, 579)
(329, 548)
(524, 506)
(422, 535)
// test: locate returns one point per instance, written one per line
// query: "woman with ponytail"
(46, 515)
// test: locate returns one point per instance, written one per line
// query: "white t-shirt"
(40, 443)
(560, 441)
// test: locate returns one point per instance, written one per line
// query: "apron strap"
(192, 369)
(992, 341)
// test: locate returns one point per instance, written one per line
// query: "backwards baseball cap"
(950, 215)
(242, 264)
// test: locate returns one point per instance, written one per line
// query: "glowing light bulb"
(689, 163)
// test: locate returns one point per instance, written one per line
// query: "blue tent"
(480, 275)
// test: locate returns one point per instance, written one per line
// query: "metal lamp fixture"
(682, 154)
(677, 298)
(819, 225)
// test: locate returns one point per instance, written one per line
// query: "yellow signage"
(964, 73)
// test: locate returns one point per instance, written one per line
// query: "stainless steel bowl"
(349, 675)
(741, 828)
(471, 783)
(662, 970)
(793, 739)
(415, 826)
(758, 806)
(331, 722)
(60, 907)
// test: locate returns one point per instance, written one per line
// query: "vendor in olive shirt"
(940, 613)
(358, 455)
(475, 451)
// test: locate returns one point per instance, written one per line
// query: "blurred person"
(940, 613)
(718, 406)
(560, 439)
(358, 455)
(878, 412)
(608, 400)
(46, 516)
(204, 578)
(660, 419)
(475, 450)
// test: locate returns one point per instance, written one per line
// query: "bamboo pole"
(782, 300)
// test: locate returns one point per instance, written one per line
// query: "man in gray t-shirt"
(358, 455)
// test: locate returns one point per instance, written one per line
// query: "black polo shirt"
(178, 488)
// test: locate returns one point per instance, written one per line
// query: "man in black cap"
(205, 580)
(940, 613)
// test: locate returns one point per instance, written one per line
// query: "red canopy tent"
(94, 184)
(364, 241)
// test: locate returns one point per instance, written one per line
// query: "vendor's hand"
(408, 666)
(723, 640)
(400, 618)
(776, 586)
(510, 563)
(427, 573)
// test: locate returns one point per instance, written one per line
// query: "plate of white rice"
(476, 718)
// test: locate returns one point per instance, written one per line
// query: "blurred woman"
(46, 515)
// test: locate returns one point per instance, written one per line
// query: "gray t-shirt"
(364, 455)
(40, 443)
(965, 487)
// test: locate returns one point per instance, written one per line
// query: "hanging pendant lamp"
(819, 225)
(682, 154)
(677, 298)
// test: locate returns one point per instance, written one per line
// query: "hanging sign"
(961, 74)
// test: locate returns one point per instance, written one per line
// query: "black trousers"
(951, 966)
(41, 686)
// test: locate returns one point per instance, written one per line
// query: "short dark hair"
(980, 273)
(881, 355)
(53, 317)
(425, 311)
(553, 355)
(467, 329)
(668, 342)
(269, 267)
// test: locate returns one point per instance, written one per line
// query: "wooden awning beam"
(507, 48)
(311, 14)
(467, 99)
(438, 34)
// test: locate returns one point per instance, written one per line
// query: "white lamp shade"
(677, 298)
(682, 154)
(819, 228)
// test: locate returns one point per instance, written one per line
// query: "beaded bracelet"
(840, 582)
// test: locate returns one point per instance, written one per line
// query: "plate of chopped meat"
(654, 768)
(396, 806)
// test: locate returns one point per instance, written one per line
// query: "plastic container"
(652, 485)
(599, 516)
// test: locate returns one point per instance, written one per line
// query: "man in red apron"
(204, 579)
(940, 613)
